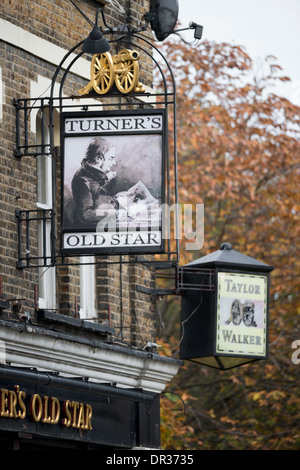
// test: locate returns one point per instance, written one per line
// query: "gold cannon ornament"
(122, 69)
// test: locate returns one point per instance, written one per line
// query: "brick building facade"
(85, 319)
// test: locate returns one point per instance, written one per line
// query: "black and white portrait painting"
(112, 187)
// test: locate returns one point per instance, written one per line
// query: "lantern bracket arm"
(156, 292)
(173, 393)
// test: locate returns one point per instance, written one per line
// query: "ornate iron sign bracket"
(115, 79)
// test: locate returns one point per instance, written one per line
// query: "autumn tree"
(238, 154)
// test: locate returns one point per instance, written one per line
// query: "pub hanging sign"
(225, 323)
(112, 182)
(241, 314)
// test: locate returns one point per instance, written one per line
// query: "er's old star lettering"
(43, 409)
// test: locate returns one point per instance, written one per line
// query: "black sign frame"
(142, 136)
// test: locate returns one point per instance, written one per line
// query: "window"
(1, 94)
(47, 278)
(47, 274)
(87, 288)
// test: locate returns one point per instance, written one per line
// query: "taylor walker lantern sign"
(227, 325)
(241, 314)
(112, 182)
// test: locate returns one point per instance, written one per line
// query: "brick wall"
(118, 302)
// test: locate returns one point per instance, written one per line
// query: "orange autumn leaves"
(239, 155)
